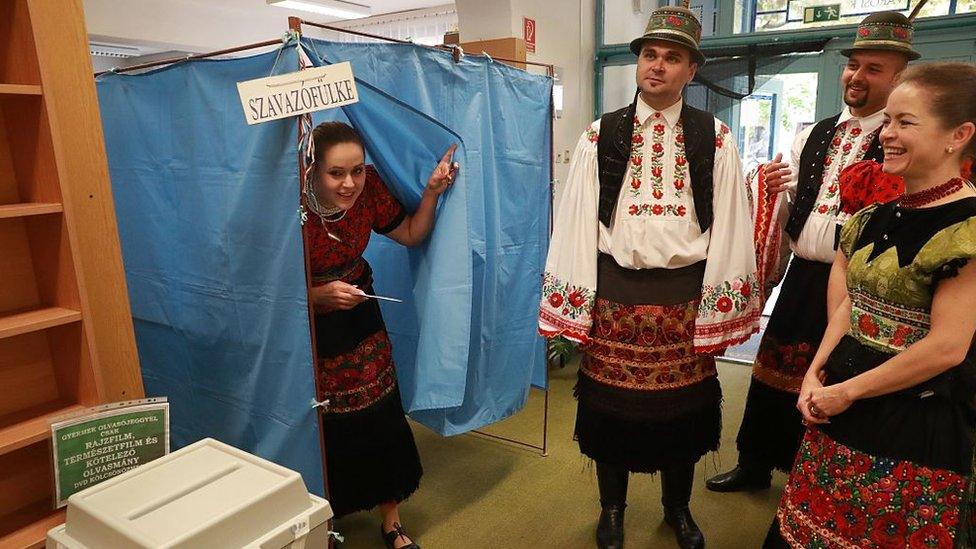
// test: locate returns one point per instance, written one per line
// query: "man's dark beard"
(857, 104)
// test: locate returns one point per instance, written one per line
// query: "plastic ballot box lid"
(207, 494)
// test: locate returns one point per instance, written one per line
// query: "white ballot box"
(208, 495)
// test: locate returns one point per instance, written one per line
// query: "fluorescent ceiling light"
(333, 8)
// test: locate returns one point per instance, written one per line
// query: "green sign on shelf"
(107, 441)
(819, 14)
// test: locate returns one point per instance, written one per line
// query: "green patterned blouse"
(896, 257)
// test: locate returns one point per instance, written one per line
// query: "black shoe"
(610, 529)
(740, 479)
(389, 538)
(687, 533)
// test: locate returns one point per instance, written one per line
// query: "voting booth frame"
(66, 336)
(510, 51)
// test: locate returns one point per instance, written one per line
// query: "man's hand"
(777, 174)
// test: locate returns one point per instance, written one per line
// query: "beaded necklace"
(930, 195)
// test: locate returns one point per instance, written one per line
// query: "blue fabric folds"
(207, 208)
(502, 116)
(211, 240)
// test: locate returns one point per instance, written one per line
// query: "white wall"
(565, 37)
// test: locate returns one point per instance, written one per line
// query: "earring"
(950, 149)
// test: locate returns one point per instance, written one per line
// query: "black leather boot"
(745, 477)
(676, 495)
(612, 481)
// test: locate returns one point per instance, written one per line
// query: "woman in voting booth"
(371, 457)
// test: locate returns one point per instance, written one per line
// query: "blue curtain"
(207, 211)
(207, 208)
(502, 117)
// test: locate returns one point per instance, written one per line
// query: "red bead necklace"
(930, 195)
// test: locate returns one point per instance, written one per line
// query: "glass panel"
(788, 14)
(619, 86)
(769, 119)
(621, 23)
(965, 6)
(737, 16)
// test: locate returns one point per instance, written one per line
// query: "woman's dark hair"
(327, 134)
(953, 98)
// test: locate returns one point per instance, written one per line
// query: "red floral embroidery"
(575, 299)
(354, 380)
(724, 304)
(863, 32)
(900, 32)
(839, 497)
(592, 135)
(675, 21)
(644, 347)
(867, 325)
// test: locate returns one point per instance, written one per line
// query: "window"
(770, 15)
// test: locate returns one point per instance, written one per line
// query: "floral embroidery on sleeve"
(592, 134)
(730, 294)
(720, 135)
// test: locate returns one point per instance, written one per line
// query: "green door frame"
(948, 37)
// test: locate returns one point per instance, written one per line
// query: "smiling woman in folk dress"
(889, 397)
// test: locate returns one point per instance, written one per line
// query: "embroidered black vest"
(614, 148)
(812, 168)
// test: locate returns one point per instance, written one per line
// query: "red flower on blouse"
(724, 304)
(867, 325)
(556, 300)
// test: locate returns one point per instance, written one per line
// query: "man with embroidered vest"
(652, 269)
(772, 427)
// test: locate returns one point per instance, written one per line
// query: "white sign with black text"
(292, 94)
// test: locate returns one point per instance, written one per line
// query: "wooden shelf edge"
(34, 534)
(34, 321)
(25, 209)
(33, 430)
(20, 89)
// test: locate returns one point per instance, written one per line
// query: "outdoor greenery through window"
(773, 15)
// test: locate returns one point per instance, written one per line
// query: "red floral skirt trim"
(353, 381)
(645, 347)
(838, 497)
(782, 366)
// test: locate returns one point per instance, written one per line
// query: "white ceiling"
(204, 25)
(378, 7)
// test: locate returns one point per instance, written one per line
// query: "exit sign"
(819, 14)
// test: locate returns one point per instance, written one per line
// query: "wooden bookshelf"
(30, 208)
(19, 89)
(32, 321)
(66, 338)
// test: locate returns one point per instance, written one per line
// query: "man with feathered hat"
(771, 427)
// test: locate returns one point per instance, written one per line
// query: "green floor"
(480, 493)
